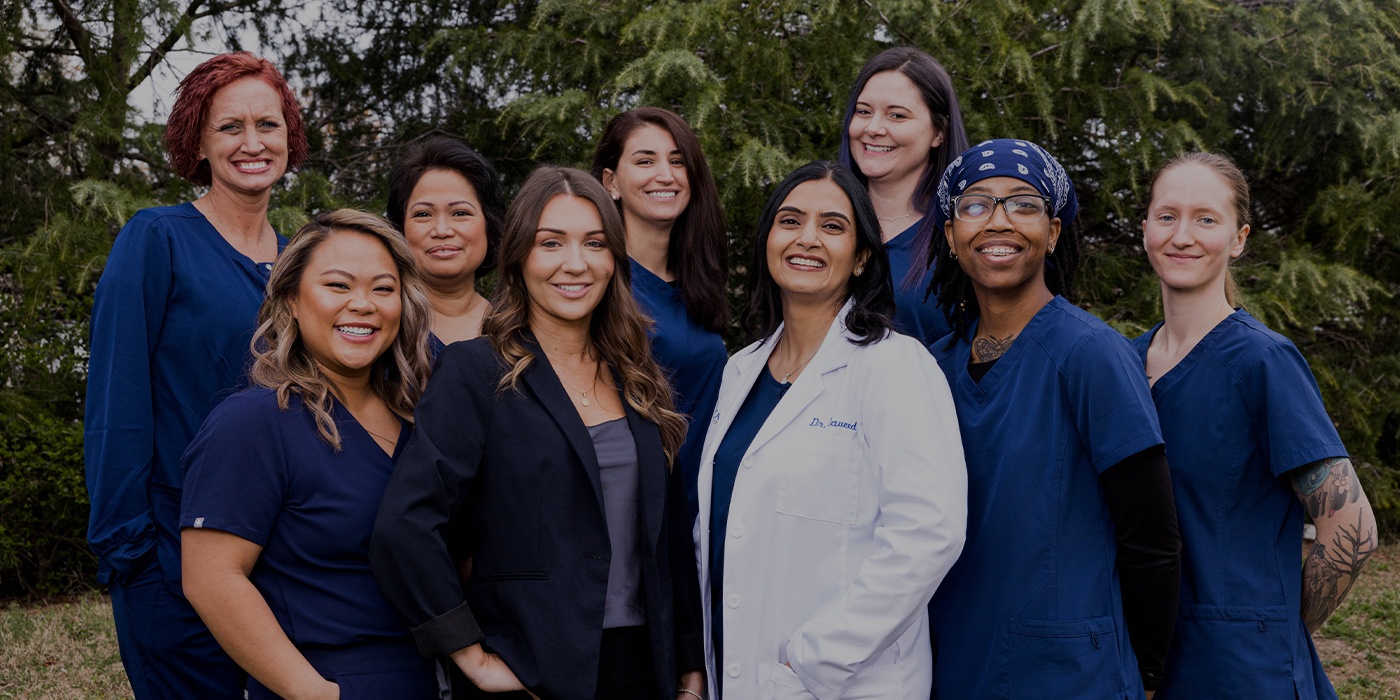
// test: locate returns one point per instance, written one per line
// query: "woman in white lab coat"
(833, 493)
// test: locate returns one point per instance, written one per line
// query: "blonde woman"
(284, 480)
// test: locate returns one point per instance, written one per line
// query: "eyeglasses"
(979, 207)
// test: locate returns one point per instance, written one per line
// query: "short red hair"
(184, 130)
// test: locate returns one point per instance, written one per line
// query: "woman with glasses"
(1067, 587)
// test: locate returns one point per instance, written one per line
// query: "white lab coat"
(849, 508)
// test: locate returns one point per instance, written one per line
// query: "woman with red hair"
(171, 323)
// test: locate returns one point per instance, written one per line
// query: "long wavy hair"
(936, 88)
(281, 361)
(1239, 197)
(698, 250)
(617, 330)
(872, 293)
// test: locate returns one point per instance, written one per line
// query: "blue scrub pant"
(168, 652)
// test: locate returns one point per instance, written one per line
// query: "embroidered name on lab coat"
(832, 423)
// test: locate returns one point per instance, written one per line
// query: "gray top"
(617, 469)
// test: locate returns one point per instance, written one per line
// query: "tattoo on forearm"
(1327, 486)
(1330, 571)
(989, 348)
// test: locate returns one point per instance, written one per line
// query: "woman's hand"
(326, 691)
(486, 670)
(692, 681)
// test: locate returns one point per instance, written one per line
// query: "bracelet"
(689, 692)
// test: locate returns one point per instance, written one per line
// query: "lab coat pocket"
(787, 686)
(1234, 651)
(819, 480)
(1064, 659)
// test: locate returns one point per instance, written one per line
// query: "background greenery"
(1305, 95)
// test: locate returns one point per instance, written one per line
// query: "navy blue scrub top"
(266, 475)
(762, 399)
(1238, 412)
(435, 347)
(692, 357)
(1032, 607)
(912, 315)
(172, 318)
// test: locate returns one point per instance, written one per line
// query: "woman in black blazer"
(547, 443)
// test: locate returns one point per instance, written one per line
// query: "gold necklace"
(896, 218)
(583, 395)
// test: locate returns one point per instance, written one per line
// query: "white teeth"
(998, 251)
(878, 149)
(571, 287)
(663, 195)
(250, 166)
(355, 330)
(807, 262)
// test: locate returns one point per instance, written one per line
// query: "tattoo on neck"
(990, 348)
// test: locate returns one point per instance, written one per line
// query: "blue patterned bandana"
(1022, 160)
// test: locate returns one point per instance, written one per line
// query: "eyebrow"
(833, 214)
(334, 271)
(561, 232)
(455, 203)
(899, 107)
(649, 152)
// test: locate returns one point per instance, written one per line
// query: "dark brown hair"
(442, 153)
(697, 251)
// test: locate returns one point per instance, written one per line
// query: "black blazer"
(516, 471)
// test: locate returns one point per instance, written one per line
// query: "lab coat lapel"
(834, 353)
(545, 384)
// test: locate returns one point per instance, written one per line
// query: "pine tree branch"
(171, 38)
(77, 33)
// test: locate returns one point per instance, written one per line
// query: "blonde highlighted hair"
(618, 329)
(281, 361)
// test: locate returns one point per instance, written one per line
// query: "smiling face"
(445, 227)
(892, 131)
(650, 179)
(347, 306)
(245, 138)
(1191, 232)
(812, 248)
(567, 271)
(1004, 255)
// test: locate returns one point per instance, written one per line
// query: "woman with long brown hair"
(651, 164)
(550, 441)
(283, 481)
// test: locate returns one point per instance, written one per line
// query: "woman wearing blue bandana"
(1068, 583)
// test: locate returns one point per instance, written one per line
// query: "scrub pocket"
(820, 482)
(1065, 659)
(1234, 651)
(418, 682)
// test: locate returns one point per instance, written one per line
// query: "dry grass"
(60, 651)
(69, 650)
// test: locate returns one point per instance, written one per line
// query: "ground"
(68, 649)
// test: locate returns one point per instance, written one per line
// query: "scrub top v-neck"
(693, 358)
(912, 315)
(1032, 607)
(1238, 412)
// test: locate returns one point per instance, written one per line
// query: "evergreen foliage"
(1304, 94)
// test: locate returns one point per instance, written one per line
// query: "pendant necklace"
(895, 218)
(583, 395)
(798, 368)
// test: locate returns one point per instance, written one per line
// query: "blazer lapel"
(545, 384)
(652, 473)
